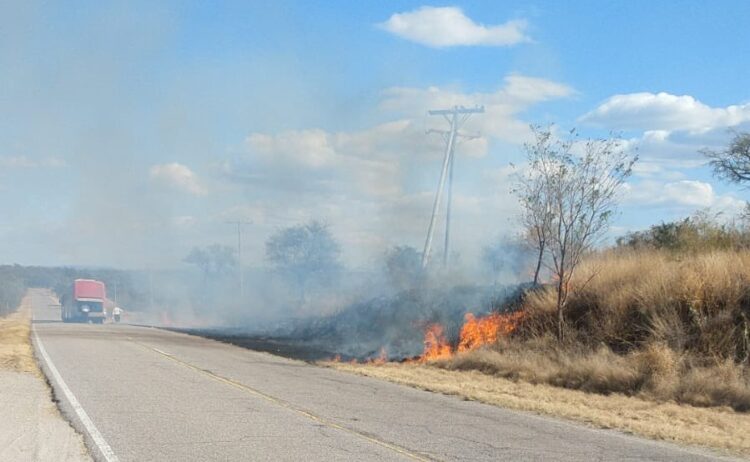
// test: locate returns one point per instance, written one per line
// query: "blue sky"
(130, 132)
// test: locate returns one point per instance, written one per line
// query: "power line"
(456, 117)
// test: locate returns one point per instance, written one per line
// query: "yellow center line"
(290, 406)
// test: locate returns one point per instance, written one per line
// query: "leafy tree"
(404, 267)
(304, 254)
(576, 198)
(703, 231)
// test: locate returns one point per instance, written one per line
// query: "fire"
(476, 332)
(436, 346)
(382, 358)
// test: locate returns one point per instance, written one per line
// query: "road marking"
(161, 352)
(291, 407)
(93, 432)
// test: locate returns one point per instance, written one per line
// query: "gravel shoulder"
(31, 426)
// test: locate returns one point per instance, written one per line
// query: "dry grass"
(717, 428)
(697, 303)
(16, 352)
(654, 372)
(655, 324)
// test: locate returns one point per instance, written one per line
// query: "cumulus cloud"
(375, 162)
(307, 147)
(664, 112)
(178, 177)
(686, 194)
(440, 27)
(502, 107)
(376, 185)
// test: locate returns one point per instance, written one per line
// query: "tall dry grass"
(624, 299)
(647, 323)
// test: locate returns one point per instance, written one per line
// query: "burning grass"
(657, 343)
(16, 353)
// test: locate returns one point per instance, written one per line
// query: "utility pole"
(239, 224)
(456, 117)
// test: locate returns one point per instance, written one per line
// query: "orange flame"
(477, 332)
(436, 346)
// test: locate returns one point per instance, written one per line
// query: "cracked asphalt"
(156, 395)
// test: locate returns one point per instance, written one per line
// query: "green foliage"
(698, 233)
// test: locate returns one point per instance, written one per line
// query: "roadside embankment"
(31, 427)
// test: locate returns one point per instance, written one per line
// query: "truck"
(86, 303)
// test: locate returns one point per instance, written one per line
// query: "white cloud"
(307, 147)
(376, 185)
(685, 194)
(664, 112)
(377, 161)
(448, 26)
(502, 107)
(178, 177)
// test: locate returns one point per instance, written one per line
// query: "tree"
(531, 191)
(732, 163)
(214, 260)
(304, 254)
(404, 267)
(575, 199)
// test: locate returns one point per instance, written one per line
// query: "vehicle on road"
(86, 303)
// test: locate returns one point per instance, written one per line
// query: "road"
(142, 394)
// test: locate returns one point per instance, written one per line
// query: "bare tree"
(732, 163)
(574, 197)
(532, 194)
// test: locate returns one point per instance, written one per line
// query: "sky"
(131, 132)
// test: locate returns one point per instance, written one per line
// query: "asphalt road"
(143, 394)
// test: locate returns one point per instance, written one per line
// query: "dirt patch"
(716, 428)
(16, 352)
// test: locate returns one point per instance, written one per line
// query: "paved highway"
(143, 394)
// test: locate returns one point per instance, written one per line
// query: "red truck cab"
(87, 302)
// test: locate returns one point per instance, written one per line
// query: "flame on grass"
(475, 333)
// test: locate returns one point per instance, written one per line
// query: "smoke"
(133, 132)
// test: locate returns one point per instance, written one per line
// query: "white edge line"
(93, 432)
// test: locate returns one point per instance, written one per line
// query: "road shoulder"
(31, 426)
(710, 428)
